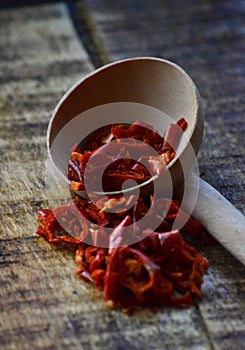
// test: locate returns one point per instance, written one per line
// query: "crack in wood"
(87, 33)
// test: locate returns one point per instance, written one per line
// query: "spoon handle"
(222, 220)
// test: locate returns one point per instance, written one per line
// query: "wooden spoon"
(147, 86)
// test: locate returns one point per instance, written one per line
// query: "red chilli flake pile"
(159, 269)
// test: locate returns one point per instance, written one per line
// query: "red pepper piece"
(182, 123)
(43, 215)
(159, 294)
(199, 267)
(62, 220)
(98, 278)
(99, 261)
(77, 186)
(99, 237)
(184, 266)
(94, 214)
(157, 164)
(90, 254)
(140, 168)
(83, 267)
(71, 220)
(83, 273)
(112, 287)
(40, 231)
(182, 300)
(74, 171)
(145, 133)
(49, 229)
(139, 126)
(139, 210)
(134, 272)
(81, 160)
(169, 155)
(191, 226)
(120, 131)
(80, 253)
(173, 135)
(95, 139)
(163, 227)
(113, 180)
(172, 243)
(151, 245)
(117, 237)
(75, 148)
(137, 270)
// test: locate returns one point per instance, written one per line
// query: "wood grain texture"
(206, 39)
(43, 305)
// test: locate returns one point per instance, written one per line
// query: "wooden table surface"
(44, 49)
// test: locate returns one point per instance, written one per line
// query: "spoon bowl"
(154, 90)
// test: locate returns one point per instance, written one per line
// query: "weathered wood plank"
(207, 40)
(43, 305)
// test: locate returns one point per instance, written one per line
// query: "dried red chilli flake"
(63, 224)
(43, 215)
(160, 269)
(126, 137)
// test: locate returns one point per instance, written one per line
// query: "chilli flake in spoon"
(158, 92)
